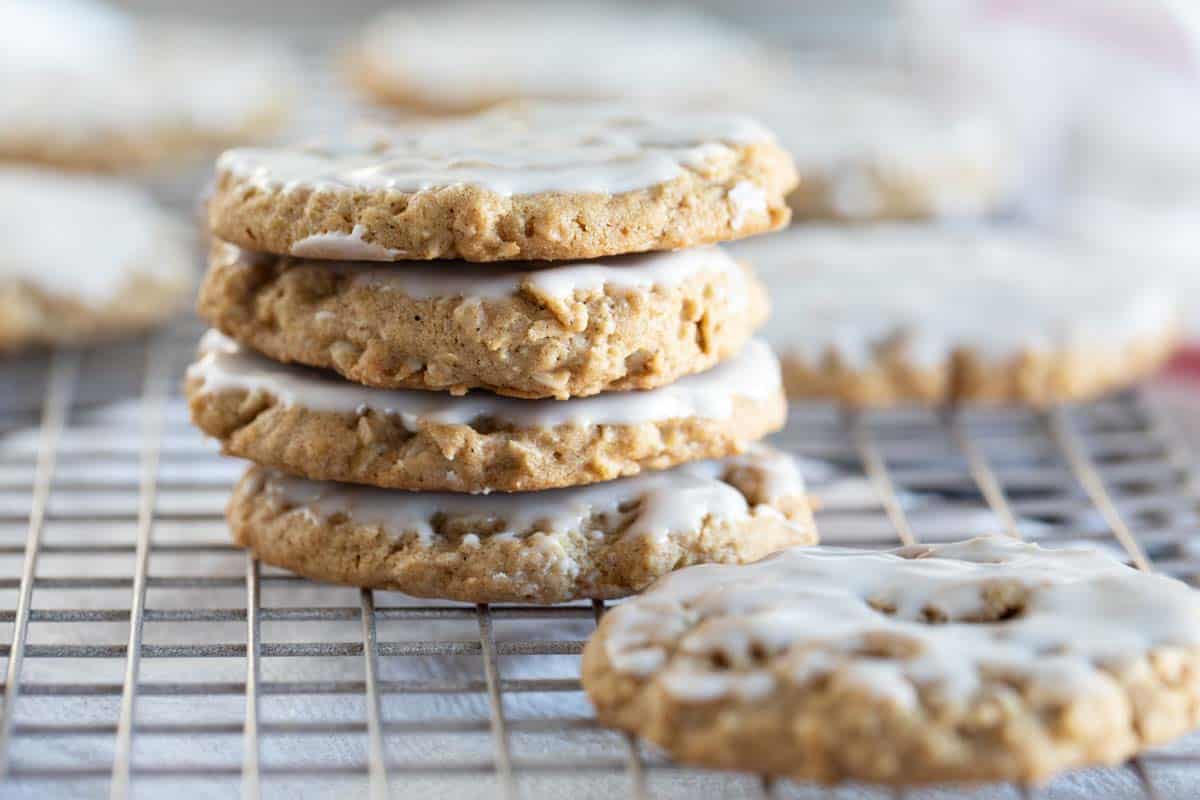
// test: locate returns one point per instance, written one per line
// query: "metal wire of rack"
(146, 653)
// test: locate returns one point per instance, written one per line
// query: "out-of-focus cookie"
(1162, 238)
(461, 57)
(903, 314)
(871, 146)
(565, 330)
(983, 660)
(84, 258)
(317, 425)
(542, 181)
(600, 541)
(87, 87)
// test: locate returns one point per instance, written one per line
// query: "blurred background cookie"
(902, 314)
(84, 258)
(459, 57)
(873, 143)
(87, 87)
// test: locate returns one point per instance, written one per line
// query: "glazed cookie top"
(664, 503)
(859, 128)
(943, 618)
(227, 366)
(85, 238)
(940, 290)
(518, 149)
(501, 51)
(541, 181)
(77, 71)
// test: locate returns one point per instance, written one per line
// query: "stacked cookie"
(494, 431)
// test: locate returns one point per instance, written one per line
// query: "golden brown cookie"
(567, 330)
(524, 181)
(983, 660)
(317, 425)
(84, 258)
(600, 541)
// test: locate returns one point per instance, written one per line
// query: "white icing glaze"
(754, 374)
(747, 199)
(939, 290)
(466, 55)
(77, 70)
(34, 33)
(511, 150)
(670, 502)
(1162, 239)
(639, 271)
(1140, 138)
(84, 238)
(348, 246)
(852, 126)
(1081, 609)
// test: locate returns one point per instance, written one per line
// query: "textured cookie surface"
(873, 146)
(633, 322)
(87, 87)
(522, 181)
(896, 314)
(982, 660)
(317, 425)
(505, 51)
(83, 258)
(605, 540)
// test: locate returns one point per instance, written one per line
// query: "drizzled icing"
(560, 281)
(853, 126)
(827, 613)
(940, 290)
(671, 502)
(512, 150)
(511, 50)
(85, 238)
(348, 246)
(754, 374)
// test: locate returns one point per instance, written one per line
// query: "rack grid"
(145, 653)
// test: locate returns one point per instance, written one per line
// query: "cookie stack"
(425, 419)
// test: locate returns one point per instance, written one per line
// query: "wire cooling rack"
(146, 655)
